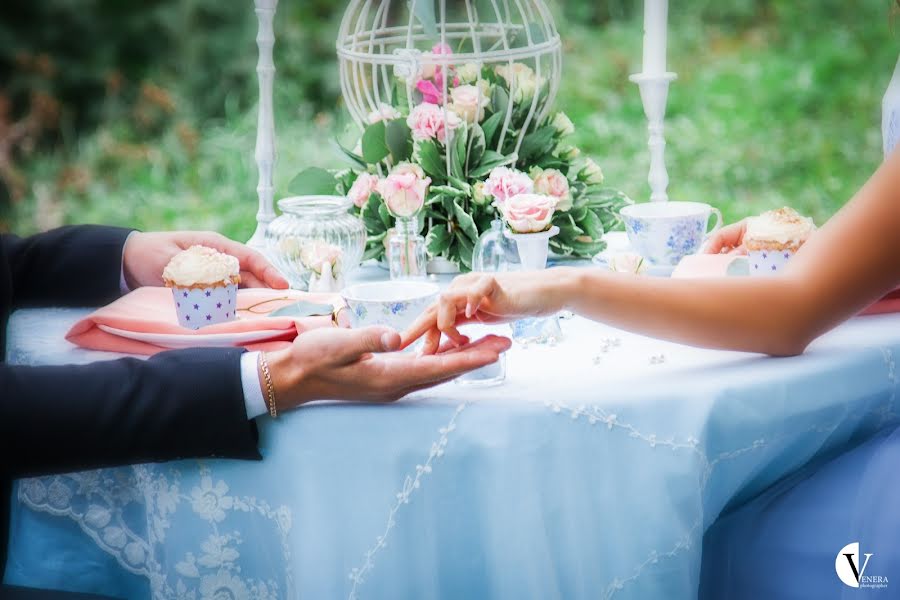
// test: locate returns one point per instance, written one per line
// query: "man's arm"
(70, 266)
(181, 404)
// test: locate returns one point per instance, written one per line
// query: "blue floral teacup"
(393, 304)
(665, 232)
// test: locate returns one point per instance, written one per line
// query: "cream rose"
(504, 183)
(529, 213)
(469, 102)
(315, 255)
(385, 112)
(563, 124)
(551, 182)
(469, 73)
(522, 78)
(362, 188)
(591, 173)
(404, 190)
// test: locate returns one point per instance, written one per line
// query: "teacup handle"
(719, 221)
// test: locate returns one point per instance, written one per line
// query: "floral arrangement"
(439, 160)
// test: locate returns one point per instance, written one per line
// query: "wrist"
(127, 251)
(562, 286)
(286, 379)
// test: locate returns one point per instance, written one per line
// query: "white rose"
(469, 102)
(385, 112)
(522, 78)
(563, 124)
(469, 73)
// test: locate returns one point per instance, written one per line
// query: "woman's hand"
(363, 365)
(487, 298)
(728, 240)
(147, 254)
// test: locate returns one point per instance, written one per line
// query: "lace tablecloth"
(592, 473)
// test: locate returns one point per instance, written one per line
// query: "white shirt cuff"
(253, 396)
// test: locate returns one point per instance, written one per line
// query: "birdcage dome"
(409, 51)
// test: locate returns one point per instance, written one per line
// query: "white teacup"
(395, 304)
(665, 232)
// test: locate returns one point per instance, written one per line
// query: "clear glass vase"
(406, 251)
(311, 230)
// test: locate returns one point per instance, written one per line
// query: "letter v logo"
(848, 566)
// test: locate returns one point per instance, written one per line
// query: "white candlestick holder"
(655, 96)
(265, 127)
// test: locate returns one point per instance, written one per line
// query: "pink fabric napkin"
(716, 265)
(152, 310)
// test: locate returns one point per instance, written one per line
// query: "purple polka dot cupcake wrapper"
(201, 307)
(768, 263)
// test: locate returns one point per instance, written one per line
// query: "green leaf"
(448, 190)
(465, 222)
(354, 158)
(313, 182)
(437, 242)
(491, 161)
(500, 101)
(458, 155)
(537, 144)
(592, 225)
(371, 215)
(399, 140)
(424, 12)
(385, 215)
(374, 145)
(490, 126)
(477, 146)
(465, 248)
(431, 161)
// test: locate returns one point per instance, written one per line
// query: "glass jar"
(406, 251)
(316, 235)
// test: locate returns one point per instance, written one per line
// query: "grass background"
(777, 103)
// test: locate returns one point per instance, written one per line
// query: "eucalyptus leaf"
(537, 143)
(299, 310)
(354, 158)
(424, 12)
(490, 127)
(374, 144)
(491, 161)
(313, 182)
(499, 101)
(398, 138)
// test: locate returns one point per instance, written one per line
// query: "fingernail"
(386, 340)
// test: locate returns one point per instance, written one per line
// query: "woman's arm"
(847, 265)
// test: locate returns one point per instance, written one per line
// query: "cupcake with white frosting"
(204, 285)
(772, 238)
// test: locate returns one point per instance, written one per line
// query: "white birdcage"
(386, 47)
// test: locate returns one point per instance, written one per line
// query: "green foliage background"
(143, 114)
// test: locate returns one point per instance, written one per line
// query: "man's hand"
(147, 254)
(363, 365)
(728, 240)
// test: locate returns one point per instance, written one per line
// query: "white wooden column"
(265, 128)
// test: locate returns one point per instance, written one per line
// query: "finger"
(351, 345)
(449, 307)
(432, 341)
(494, 343)
(248, 280)
(425, 323)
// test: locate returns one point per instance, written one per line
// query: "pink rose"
(431, 86)
(429, 122)
(504, 183)
(430, 92)
(551, 182)
(404, 190)
(529, 213)
(362, 188)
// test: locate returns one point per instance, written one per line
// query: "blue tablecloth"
(592, 473)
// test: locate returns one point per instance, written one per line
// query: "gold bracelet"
(270, 387)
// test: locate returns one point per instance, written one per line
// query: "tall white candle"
(656, 16)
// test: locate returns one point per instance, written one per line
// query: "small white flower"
(563, 124)
(210, 502)
(591, 173)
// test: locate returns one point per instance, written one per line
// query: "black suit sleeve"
(180, 404)
(70, 266)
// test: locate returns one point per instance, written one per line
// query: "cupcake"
(204, 285)
(774, 237)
